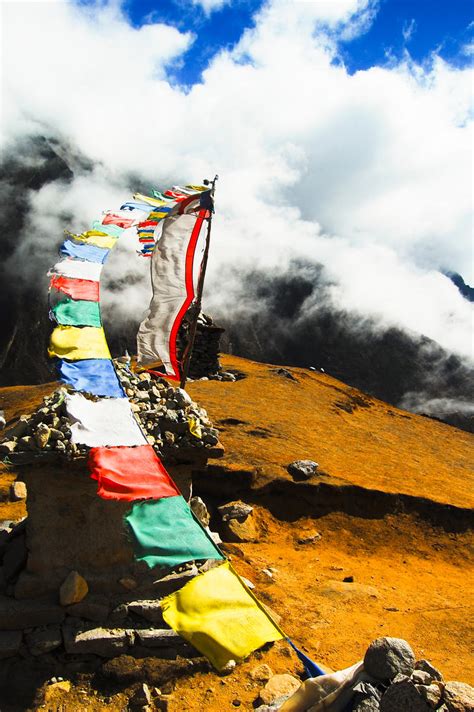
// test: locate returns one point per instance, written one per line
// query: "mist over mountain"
(285, 316)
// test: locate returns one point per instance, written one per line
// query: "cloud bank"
(368, 174)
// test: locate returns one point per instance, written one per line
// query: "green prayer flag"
(76, 312)
(165, 533)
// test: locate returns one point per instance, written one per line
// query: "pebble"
(279, 686)
(73, 589)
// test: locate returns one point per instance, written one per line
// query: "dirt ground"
(411, 579)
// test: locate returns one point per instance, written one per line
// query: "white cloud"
(210, 6)
(409, 29)
(369, 173)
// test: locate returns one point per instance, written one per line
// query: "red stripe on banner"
(130, 473)
(190, 252)
(149, 223)
(113, 219)
(76, 288)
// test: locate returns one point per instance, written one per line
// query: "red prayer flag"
(76, 288)
(119, 220)
(130, 473)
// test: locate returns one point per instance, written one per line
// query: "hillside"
(390, 508)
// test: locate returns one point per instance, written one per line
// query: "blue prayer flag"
(81, 251)
(92, 375)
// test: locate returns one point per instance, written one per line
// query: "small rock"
(42, 435)
(404, 696)
(302, 469)
(236, 530)
(235, 510)
(141, 698)
(228, 667)
(348, 579)
(156, 638)
(73, 589)
(17, 491)
(431, 694)
(92, 608)
(308, 538)
(426, 666)
(459, 697)
(44, 640)
(149, 610)
(226, 376)
(8, 446)
(182, 397)
(98, 641)
(169, 438)
(56, 434)
(200, 510)
(386, 657)
(369, 704)
(420, 677)
(128, 583)
(278, 686)
(53, 689)
(261, 673)
(10, 642)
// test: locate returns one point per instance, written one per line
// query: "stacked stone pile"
(393, 681)
(169, 417)
(205, 362)
(205, 356)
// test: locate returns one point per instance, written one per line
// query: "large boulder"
(387, 657)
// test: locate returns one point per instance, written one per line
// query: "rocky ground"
(375, 540)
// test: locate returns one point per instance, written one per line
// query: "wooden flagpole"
(200, 286)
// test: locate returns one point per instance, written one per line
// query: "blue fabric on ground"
(312, 670)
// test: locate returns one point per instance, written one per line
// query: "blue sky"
(420, 27)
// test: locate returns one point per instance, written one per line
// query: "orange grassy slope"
(352, 436)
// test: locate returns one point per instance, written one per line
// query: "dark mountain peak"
(466, 290)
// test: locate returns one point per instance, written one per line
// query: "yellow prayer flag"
(75, 344)
(148, 199)
(217, 614)
(99, 239)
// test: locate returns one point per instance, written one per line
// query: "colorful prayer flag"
(77, 269)
(112, 230)
(75, 343)
(104, 422)
(76, 288)
(77, 313)
(164, 532)
(172, 271)
(130, 473)
(97, 238)
(95, 376)
(219, 616)
(82, 251)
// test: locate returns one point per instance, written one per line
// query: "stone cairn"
(205, 357)
(75, 615)
(164, 412)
